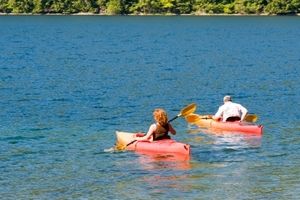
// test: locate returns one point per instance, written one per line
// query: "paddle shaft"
(173, 118)
(249, 118)
(131, 143)
(185, 111)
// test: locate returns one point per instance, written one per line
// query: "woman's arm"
(149, 135)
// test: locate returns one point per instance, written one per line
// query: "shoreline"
(170, 14)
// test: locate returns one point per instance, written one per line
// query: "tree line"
(148, 7)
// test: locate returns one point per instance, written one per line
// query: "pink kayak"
(159, 146)
(241, 127)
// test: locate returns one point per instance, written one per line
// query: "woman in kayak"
(230, 111)
(159, 130)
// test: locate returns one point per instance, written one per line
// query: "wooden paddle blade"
(185, 111)
(192, 118)
(251, 118)
(188, 110)
(120, 146)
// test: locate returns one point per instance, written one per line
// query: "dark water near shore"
(68, 82)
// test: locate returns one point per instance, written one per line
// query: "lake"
(67, 83)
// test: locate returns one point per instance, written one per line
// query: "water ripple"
(85, 77)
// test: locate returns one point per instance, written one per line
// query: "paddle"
(192, 118)
(184, 112)
(251, 118)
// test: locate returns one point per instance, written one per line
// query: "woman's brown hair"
(160, 116)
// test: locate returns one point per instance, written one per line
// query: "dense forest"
(147, 7)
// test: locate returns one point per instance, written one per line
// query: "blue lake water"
(67, 83)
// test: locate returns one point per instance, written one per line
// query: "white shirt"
(230, 109)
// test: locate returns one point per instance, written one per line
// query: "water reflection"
(228, 139)
(155, 161)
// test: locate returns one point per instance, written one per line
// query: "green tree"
(4, 6)
(167, 5)
(81, 6)
(184, 6)
(114, 7)
(38, 6)
(24, 6)
(214, 8)
(296, 5)
(247, 6)
(281, 7)
(56, 6)
(151, 6)
(142, 6)
(229, 8)
(102, 5)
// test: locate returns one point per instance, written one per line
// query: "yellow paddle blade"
(188, 110)
(120, 146)
(251, 118)
(192, 118)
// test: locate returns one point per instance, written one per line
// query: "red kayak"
(207, 122)
(165, 146)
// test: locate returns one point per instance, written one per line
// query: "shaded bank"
(141, 14)
(154, 7)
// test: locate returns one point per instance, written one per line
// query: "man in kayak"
(159, 130)
(230, 111)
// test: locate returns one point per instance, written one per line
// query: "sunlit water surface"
(68, 83)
